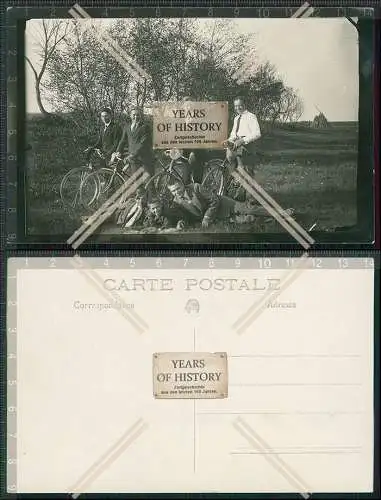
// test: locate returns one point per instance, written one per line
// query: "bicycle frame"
(174, 158)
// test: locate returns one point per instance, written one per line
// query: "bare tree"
(182, 56)
(291, 108)
(47, 39)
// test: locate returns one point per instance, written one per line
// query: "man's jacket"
(202, 204)
(138, 142)
(109, 138)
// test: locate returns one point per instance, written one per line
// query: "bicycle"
(217, 178)
(70, 187)
(100, 184)
(173, 172)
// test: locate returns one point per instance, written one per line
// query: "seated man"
(244, 133)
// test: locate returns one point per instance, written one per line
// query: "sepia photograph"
(199, 127)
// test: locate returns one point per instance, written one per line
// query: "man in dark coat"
(109, 136)
(137, 140)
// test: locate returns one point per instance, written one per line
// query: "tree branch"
(31, 65)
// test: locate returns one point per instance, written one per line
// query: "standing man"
(137, 139)
(244, 133)
(196, 159)
(109, 136)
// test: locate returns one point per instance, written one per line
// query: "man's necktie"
(238, 123)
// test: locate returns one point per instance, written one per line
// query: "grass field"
(311, 170)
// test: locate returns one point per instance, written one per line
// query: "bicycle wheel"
(234, 189)
(70, 187)
(97, 188)
(158, 184)
(89, 191)
(213, 180)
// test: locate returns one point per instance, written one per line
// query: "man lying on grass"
(192, 205)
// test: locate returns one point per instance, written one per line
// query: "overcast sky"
(317, 57)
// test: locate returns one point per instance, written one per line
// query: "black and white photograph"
(245, 127)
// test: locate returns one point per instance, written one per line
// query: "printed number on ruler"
(264, 263)
(343, 263)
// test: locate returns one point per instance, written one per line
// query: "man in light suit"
(244, 133)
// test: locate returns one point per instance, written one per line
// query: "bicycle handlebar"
(230, 145)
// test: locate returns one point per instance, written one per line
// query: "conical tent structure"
(320, 121)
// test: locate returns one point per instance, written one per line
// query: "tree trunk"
(39, 100)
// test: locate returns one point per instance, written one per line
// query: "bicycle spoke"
(75, 199)
(213, 180)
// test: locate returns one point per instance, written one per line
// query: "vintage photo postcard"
(198, 129)
(171, 375)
